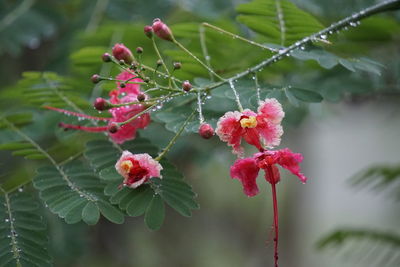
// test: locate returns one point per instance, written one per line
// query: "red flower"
(137, 168)
(246, 170)
(255, 128)
(127, 94)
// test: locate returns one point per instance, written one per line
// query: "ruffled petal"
(272, 110)
(270, 132)
(276, 175)
(246, 171)
(151, 165)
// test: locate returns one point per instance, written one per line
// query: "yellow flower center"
(250, 122)
(126, 165)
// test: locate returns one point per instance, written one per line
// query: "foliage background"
(357, 126)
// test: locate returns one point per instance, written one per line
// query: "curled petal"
(246, 170)
(229, 130)
(272, 110)
(290, 161)
(272, 176)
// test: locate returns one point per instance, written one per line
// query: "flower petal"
(230, 131)
(272, 110)
(246, 171)
(290, 161)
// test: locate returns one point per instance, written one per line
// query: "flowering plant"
(106, 161)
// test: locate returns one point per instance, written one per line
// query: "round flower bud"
(106, 57)
(121, 52)
(95, 78)
(113, 127)
(139, 50)
(122, 85)
(162, 30)
(101, 104)
(148, 31)
(159, 62)
(206, 131)
(141, 97)
(186, 86)
(146, 79)
(177, 65)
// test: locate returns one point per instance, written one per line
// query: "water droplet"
(6, 220)
(346, 28)
(80, 195)
(20, 189)
(302, 47)
(323, 36)
(330, 32)
(281, 51)
(353, 24)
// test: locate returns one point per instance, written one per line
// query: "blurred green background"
(357, 126)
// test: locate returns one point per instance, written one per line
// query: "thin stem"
(197, 59)
(257, 87)
(275, 205)
(173, 140)
(236, 95)
(98, 12)
(202, 35)
(163, 63)
(276, 223)
(281, 20)
(201, 118)
(235, 36)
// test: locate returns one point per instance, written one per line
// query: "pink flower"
(127, 94)
(255, 128)
(137, 168)
(246, 170)
(162, 30)
(121, 52)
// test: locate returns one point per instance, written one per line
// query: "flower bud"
(206, 131)
(177, 65)
(113, 127)
(148, 31)
(159, 63)
(141, 97)
(139, 50)
(146, 79)
(101, 104)
(121, 52)
(106, 57)
(162, 30)
(186, 86)
(95, 78)
(122, 85)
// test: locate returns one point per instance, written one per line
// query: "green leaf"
(74, 193)
(90, 213)
(23, 237)
(155, 213)
(280, 21)
(110, 212)
(305, 95)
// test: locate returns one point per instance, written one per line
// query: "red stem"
(76, 114)
(83, 128)
(275, 203)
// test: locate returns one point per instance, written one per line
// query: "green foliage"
(280, 21)
(389, 245)
(22, 232)
(147, 199)
(44, 89)
(379, 178)
(328, 60)
(74, 193)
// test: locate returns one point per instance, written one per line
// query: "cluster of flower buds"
(160, 29)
